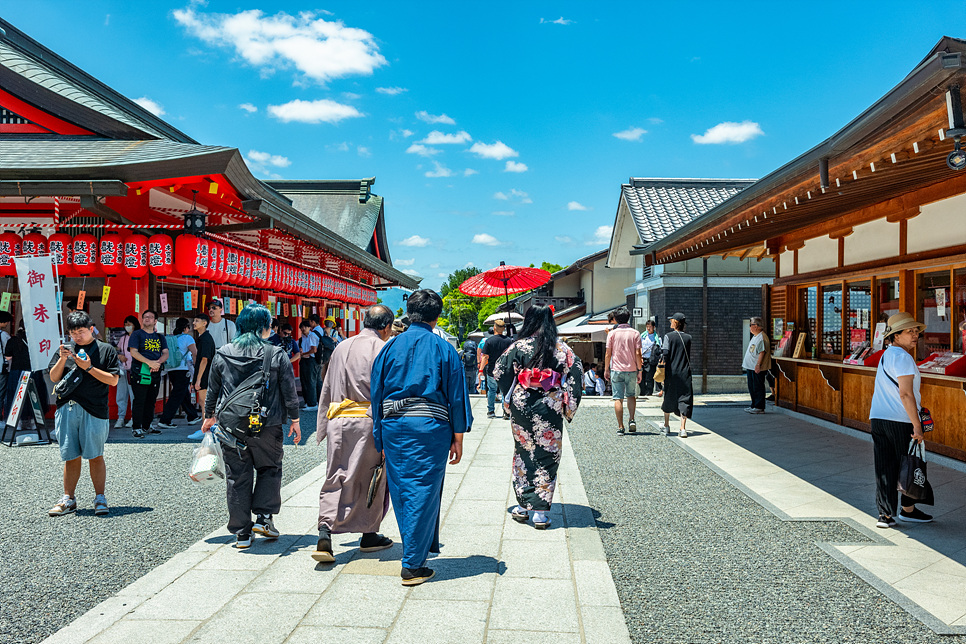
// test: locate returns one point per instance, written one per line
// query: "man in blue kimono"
(420, 411)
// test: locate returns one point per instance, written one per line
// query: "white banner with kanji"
(38, 300)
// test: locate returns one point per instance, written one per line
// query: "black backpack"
(469, 358)
(241, 413)
(326, 347)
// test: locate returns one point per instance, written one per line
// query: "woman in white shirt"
(895, 418)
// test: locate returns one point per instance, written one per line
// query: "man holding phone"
(82, 419)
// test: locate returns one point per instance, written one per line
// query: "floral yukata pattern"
(536, 419)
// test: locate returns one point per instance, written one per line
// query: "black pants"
(647, 388)
(309, 377)
(178, 396)
(890, 441)
(254, 479)
(756, 387)
(145, 398)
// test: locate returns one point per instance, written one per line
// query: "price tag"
(5, 302)
(187, 301)
(137, 303)
(232, 306)
(315, 309)
(194, 298)
(106, 293)
(81, 295)
(164, 302)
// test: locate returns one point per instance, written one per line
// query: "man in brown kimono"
(345, 420)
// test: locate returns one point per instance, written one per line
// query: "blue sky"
(498, 131)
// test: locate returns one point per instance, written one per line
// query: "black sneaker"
(372, 542)
(243, 541)
(490, 414)
(885, 522)
(632, 426)
(916, 516)
(416, 576)
(265, 527)
(153, 430)
(620, 431)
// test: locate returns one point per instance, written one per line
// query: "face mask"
(129, 328)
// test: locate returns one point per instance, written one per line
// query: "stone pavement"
(801, 471)
(496, 580)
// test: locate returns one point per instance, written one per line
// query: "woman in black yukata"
(540, 379)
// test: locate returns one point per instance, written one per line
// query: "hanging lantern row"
(134, 255)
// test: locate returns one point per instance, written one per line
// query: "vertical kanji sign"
(38, 299)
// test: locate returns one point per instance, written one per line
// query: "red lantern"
(34, 244)
(10, 246)
(189, 253)
(212, 261)
(260, 263)
(231, 265)
(60, 247)
(111, 254)
(221, 274)
(245, 268)
(135, 256)
(85, 254)
(160, 255)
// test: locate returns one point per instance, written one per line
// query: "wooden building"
(870, 222)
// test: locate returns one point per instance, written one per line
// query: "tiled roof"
(661, 206)
(20, 157)
(337, 206)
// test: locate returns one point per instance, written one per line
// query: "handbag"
(377, 476)
(659, 373)
(912, 474)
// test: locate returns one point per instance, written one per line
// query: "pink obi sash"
(545, 379)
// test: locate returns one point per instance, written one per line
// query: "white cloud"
(264, 158)
(631, 134)
(513, 166)
(406, 133)
(150, 105)
(439, 170)
(434, 265)
(411, 272)
(564, 239)
(576, 205)
(500, 195)
(320, 49)
(654, 120)
(521, 195)
(405, 262)
(319, 111)
(498, 150)
(438, 138)
(423, 115)
(503, 213)
(415, 240)
(559, 21)
(444, 275)
(601, 236)
(351, 96)
(363, 151)
(421, 150)
(468, 265)
(391, 91)
(486, 239)
(729, 132)
(470, 171)
(337, 147)
(248, 107)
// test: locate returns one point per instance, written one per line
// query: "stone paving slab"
(490, 567)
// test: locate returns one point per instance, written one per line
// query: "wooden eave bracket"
(788, 370)
(832, 375)
(902, 215)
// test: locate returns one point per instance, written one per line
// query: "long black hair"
(538, 324)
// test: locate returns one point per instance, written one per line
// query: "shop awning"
(578, 328)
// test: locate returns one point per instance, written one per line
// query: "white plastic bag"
(208, 463)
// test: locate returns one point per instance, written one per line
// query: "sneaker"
(885, 522)
(323, 550)
(193, 421)
(519, 514)
(138, 433)
(632, 426)
(163, 426)
(665, 431)
(416, 576)
(916, 516)
(682, 434)
(312, 408)
(66, 505)
(749, 410)
(154, 430)
(490, 414)
(265, 527)
(373, 542)
(100, 505)
(506, 416)
(119, 424)
(197, 436)
(757, 411)
(243, 541)
(129, 424)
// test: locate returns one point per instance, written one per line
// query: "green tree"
(456, 278)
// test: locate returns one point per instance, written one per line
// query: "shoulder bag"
(925, 417)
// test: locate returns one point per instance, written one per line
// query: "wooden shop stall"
(868, 223)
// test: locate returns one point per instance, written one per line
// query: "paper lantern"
(160, 255)
(190, 253)
(231, 265)
(212, 261)
(111, 256)
(85, 254)
(135, 256)
(60, 248)
(10, 246)
(221, 271)
(245, 268)
(34, 244)
(261, 277)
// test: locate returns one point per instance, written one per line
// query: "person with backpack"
(327, 344)
(250, 366)
(470, 365)
(309, 365)
(184, 353)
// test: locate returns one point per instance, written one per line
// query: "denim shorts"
(623, 384)
(79, 433)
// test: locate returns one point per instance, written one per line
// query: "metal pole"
(704, 325)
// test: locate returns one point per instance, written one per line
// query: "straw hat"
(902, 321)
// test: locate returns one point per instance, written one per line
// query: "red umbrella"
(504, 280)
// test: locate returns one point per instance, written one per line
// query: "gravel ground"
(695, 560)
(56, 569)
